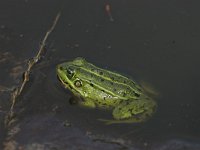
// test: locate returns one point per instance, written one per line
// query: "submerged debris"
(17, 91)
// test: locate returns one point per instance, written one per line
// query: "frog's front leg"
(87, 102)
(132, 111)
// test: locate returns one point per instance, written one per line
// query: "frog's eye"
(70, 72)
(78, 83)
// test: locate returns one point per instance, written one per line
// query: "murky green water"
(152, 41)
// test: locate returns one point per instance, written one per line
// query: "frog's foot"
(109, 122)
(149, 89)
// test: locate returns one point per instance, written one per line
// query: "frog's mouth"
(61, 75)
(59, 78)
(66, 84)
(63, 78)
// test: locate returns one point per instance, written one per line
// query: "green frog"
(97, 87)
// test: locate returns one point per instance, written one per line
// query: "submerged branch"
(17, 91)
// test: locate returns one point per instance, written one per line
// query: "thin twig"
(31, 63)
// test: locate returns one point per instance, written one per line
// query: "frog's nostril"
(61, 67)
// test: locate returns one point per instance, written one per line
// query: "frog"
(96, 87)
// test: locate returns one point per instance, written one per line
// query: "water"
(152, 41)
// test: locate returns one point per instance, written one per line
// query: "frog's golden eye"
(78, 83)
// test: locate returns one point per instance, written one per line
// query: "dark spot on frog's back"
(137, 95)
(91, 84)
(112, 78)
(102, 80)
(101, 73)
(124, 94)
(102, 90)
(130, 110)
(103, 104)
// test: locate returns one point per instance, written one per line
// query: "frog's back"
(110, 82)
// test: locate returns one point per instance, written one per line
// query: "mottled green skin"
(101, 88)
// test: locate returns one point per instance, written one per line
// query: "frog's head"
(68, 74)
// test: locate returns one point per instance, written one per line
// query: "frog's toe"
(109, 122)
(127, 121)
